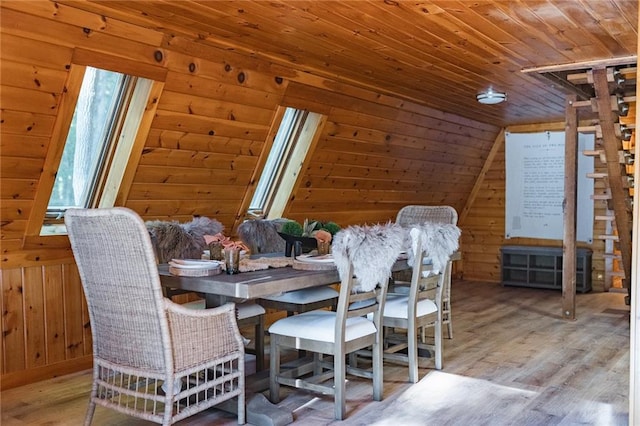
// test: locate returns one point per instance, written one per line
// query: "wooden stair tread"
(597, 175)
(608, 237)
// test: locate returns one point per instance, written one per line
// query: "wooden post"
(569, 210)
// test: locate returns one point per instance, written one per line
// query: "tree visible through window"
(102, 99)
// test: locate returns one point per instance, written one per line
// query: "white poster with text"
(535, 186)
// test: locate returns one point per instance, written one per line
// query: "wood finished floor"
(513, 360)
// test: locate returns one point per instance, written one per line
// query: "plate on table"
(194, 264)
(325, 258)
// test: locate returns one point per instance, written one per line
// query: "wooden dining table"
(244, 286)
(223, 288)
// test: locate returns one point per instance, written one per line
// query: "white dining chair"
(411, 311)
(416, 214)
(368, 253)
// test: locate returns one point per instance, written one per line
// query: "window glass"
(286, 137)
(91, 132)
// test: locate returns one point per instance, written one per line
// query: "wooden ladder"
(615, 140)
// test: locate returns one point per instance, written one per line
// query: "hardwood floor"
(513, 361)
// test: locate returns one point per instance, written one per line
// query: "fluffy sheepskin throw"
(439, 242)
(261, 236)
(371, 249)
(173, 240)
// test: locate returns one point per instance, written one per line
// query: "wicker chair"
(411, 215)
(344, 331)
(173, 240)
(152, 359)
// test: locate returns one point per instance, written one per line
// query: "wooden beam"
(623, 60)
(497, 144)
(619, 195)
(569, 210)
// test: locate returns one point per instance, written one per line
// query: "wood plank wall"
(484, 225)
(376, 154)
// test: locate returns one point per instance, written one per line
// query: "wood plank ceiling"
(439, 53)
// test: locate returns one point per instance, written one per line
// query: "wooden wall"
(483, 220)
(202, 156)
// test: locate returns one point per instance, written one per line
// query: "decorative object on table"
(307, 262)
(216, 244)
(371, 249)
(174, 240)
(293, 231)
(152, 358)
(248, 264)
(324, 241)
(232, 260)
(232, 251)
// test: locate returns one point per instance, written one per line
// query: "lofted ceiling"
(438, 53)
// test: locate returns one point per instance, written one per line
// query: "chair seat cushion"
(320, 325)
(306, 295)
(396, 306)
(244, 310)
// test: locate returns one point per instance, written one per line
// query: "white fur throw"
(439, 242)
(371, 249)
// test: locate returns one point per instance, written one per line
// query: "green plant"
(292, 228)
(308, 228)
(331, 227)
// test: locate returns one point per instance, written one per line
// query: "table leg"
(260, 411)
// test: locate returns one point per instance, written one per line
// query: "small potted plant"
(307, 234)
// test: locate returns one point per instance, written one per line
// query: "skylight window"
(105, 116)
(296, 133)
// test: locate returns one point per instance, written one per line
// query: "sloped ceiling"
(439, 53)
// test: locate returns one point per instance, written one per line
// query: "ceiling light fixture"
(491, 97)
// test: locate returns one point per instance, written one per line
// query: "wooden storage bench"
(541, 267)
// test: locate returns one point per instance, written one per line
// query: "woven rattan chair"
(413, 214)
(247, 314)
(344, 331)
(173, 240)
(152, 359)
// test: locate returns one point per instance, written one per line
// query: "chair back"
(411, 215)
(424, 283)
(261, 236)
(119, 275)
(364, 256)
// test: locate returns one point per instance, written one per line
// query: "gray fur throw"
(173, 240)
(261, 236)
(371, 249)
(439, 242)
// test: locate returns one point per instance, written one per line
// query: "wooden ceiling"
(439, 53)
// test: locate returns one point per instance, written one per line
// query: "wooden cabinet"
(541, 267)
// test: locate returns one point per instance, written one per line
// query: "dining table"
(241, 287)
(245, 286)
